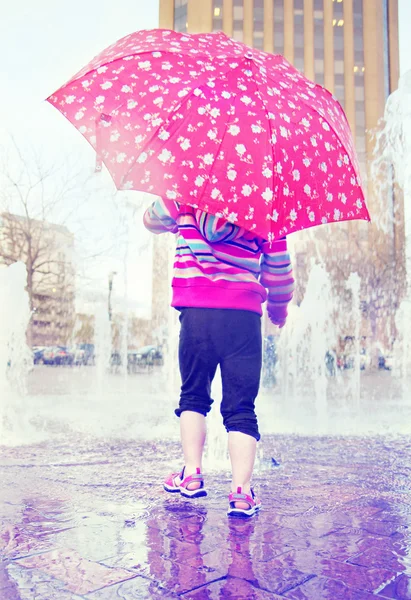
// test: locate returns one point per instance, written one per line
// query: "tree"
(84, 334)
(140, 332)
(359, 248)
(39, 204)
(50, 273)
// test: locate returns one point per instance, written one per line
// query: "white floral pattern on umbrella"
(203, 120)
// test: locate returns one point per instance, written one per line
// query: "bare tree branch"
(37, 204)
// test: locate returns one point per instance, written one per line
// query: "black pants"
(232, 339)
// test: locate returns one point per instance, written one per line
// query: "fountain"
(306, 397)
(354, 286)
(310, 334)
(216, 450)
(392, 165)
(102, 344)
(15, 356)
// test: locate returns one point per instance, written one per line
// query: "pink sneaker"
(182, 488)
(254, 504)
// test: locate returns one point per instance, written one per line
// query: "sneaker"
(254, 504)
(172, 487)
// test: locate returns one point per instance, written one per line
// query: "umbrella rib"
(312, 108)
(271, 132)
(273, 145)
(177, 108)
(205, 56)
(148, 143)
(228, 71)
(214, 161)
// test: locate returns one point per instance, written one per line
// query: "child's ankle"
(191, 469)
(245, 488)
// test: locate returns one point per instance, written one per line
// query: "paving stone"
(79, 575)
(326, 589)
(18, 583)
(177, 575)
(230, 588)
(374, 526)
(107, 531)
(356, 576)
(274, 575)
(138, 588)
(379, 557)
(399, 588)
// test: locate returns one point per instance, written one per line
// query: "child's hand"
(277, 314)
(279, 325)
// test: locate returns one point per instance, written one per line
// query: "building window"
(279, 26)
(299, 35)
(180, 15)
(258, 40)
(319, 70)
(319, 41)
(338, 26)
(218, 15)
(359, 70)
(238, 18)
(339, 79)
(339, 70)
(386, 49)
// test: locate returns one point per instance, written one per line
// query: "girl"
(221, 277)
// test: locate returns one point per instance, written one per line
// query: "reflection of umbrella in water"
(203, 120)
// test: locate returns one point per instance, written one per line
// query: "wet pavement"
(83, 518)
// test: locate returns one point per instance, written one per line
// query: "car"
(385, 362)
(385, 358)
(64, 356)
(38, 352)
(365, 359)
(115, 360)
(349, 360)
(134, 362)
(84, 354)
(145, 357)
(48, 356)
(58, 355)
(389, 362)
(149, 355)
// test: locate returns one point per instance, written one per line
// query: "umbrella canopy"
(206, 121)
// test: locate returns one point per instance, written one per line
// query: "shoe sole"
(171, 490)
(245, 514)
(186, 493)
(193, 493)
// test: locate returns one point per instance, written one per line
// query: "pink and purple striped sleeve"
(216, 229)
(277, 277)
(161, 216)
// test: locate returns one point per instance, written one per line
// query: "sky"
(43, 43)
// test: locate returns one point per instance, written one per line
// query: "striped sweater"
(220, 265)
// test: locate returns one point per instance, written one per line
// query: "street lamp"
(110, 289)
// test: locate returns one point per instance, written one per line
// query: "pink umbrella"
(206, 121)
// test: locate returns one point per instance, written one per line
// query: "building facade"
(351, 48)
(348, 46)
(48, 251)
(163, 256)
